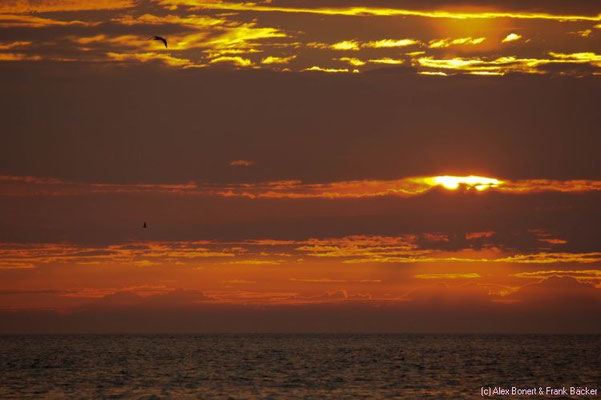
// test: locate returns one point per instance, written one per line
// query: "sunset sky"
(302, 165)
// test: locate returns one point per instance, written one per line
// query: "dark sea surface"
(262, 366)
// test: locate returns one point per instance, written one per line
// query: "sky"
(301, 166)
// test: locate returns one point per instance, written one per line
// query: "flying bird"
(159, 38)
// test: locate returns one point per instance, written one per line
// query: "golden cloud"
(353, 61)
(467, 275)
(235, 60)
(441, 43)
(512, 37)
(373, 11)
(355, 45)
(386, 60)
(329, 70)
(388, 43)
(345, 45)
(507, 64)
(277, 60)
(146, 57)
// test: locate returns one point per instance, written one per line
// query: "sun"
(454, 182)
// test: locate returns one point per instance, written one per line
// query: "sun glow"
(453, 182)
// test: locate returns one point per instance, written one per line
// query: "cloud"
(552, 258)
(585, 57)
(335, 295)
(18, 57)
(235, 60)
(479, 235)
(169, 299)
(121, 41)
(374, 11)
(593, 275)
(33, 21)
(467, 275)
(329, 70)
(512, 37)
(390, 43)
(190, 24)
(330, 280)
(18, 256)
(241, 163)
(471, 296)
(11, 45)
(345, 45)
(36, 6)
(351, 249)
(583, 33)
(189, 21)
(256, 262)
(404, 187)
(353, 61)
(150, 57)
(559, 291)
(442, 43)
(355, 45)
(277, 60)
(386, 60)
(508, 64)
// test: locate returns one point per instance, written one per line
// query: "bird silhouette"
(144, 224)
(159, 38)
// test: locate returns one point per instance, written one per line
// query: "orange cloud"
(18, 57)
(587, 274)
(558, 292)
(10, 45)
(467, 275)
(35, 6)
(479, 235)
(552, 258)
(242, 163)
(191, 21)
(405, 187)
(348, 249)
(32, 21)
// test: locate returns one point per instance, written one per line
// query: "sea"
(295, 366)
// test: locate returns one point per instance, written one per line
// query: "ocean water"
(262, 366)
